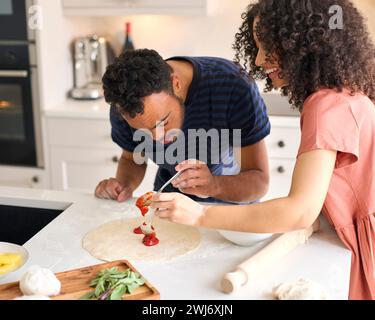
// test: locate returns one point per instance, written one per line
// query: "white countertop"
(194, 276)
(86, 109)
(99, 109)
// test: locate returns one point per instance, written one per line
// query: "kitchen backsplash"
(210, 35)
(175, 35)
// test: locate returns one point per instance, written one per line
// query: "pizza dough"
(302, 289)
(117, 241)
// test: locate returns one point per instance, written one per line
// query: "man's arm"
(252, 182)
(249, 185)
(129, 173)
(128, 177)
(248, 112)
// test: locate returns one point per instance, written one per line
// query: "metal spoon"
(147, 228)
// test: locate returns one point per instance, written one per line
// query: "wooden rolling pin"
(266, 257)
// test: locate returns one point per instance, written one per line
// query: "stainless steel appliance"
(20, 129)
(13, 20)
(91, 57)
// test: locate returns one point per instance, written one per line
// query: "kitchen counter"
(194, 276)
(86, 109)
(277, 106)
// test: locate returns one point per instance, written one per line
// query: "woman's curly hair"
(133, 76)
(311, 54)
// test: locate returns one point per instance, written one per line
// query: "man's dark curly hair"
(133, 76)
(311, 54)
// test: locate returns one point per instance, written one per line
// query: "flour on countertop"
(303, 289)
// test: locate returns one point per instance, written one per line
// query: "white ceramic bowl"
(244, 238)
(6, 247)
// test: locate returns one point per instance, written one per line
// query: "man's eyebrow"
(162, 120)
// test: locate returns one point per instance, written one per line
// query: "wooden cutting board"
(75, 283)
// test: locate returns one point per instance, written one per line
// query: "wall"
(211, 35)
(170, 35)
(367, 7)
(54, 55)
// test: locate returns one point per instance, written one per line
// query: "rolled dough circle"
(117, 241)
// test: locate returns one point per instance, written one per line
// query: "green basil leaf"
(100, 287)
(132, 287)
(118, 293)
(94, 282)
(115, 281)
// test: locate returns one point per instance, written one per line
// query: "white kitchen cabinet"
(281, 172)
(282, 145)
(81, 169)
(82, 154)
(22, 177)
(129, 7)
(283, 142)
(85, 133)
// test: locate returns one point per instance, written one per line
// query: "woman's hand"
(178, 209)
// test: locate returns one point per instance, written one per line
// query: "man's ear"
(176, 83)
(126, 117)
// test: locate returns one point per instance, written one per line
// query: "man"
(179, 95)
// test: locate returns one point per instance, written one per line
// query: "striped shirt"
(221, 96)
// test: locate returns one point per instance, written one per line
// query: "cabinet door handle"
(13, 73)
(115, 159)
(35, 179)
(281, 144)
(281, 169)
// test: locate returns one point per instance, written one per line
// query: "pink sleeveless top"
(338, 121)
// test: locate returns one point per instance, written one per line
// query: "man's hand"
(196, 179)
(112, 189)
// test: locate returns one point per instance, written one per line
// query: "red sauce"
(150, 240)
(138, 230)
(144, 202)
(144, 210)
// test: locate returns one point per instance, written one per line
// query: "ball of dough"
(303, 289)
(40, 281)
(32, 298)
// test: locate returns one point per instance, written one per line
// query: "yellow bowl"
(6, 247)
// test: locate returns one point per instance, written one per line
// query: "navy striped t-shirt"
(221, 96)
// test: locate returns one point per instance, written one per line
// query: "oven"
(13, 20)
(20, 133)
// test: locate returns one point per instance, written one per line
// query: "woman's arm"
(311, 179)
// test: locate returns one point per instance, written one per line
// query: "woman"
(329, 74)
